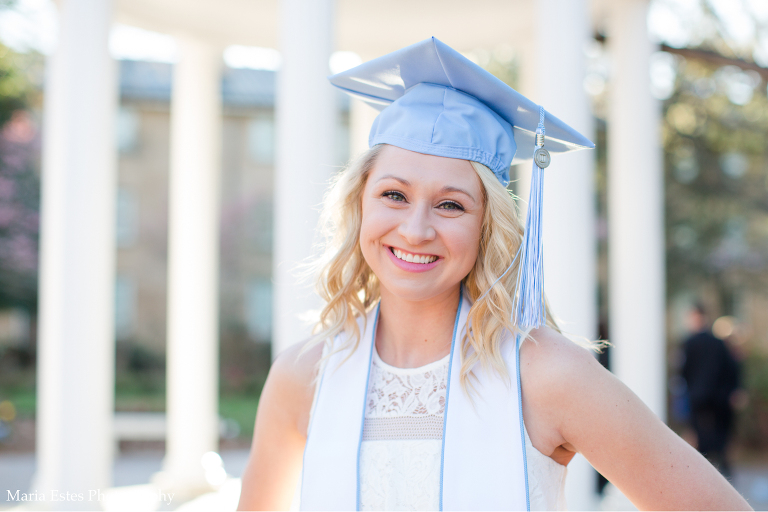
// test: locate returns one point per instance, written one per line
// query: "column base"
(184, 486)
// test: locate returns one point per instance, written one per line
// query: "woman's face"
(426, 209)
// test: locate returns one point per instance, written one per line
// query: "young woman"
(419, 392)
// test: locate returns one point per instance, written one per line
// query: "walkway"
(133, 470)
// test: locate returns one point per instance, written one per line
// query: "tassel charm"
(529, 296)
(541, 156)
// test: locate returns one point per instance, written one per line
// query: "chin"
(415, 291)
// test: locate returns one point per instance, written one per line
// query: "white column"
(193, 265)
(570, 240)
(306, 121)
(361, 117)
(635, 211)
(75, 374)
(569, 217)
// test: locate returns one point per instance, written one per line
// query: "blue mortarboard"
(433, 100)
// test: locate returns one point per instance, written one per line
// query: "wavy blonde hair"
(350, 288)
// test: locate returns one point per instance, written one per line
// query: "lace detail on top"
(405, 403)
(402, 432)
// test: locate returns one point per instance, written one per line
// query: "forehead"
(424, 170)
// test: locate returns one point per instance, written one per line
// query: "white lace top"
(402, 441)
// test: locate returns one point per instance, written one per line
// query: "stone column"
(75, 387)
(306, 121)
(193, 266)
(569, 217)
(361, 117)
(635, 211)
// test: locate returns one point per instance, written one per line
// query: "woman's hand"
(578, 405)
(274, 465)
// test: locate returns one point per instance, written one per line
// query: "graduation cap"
(435, 101)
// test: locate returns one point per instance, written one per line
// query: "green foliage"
(243, 364)
(753, 420)
(15, 86)
(17, 378)
(714, 128)
(242, 409)
(716, 161)
(139, 372)
(140, 378)
(19, 182)
(756, 377)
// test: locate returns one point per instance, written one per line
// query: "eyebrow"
(446, 188)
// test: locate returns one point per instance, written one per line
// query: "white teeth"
(413, 258)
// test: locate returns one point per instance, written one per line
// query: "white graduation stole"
(483, 464)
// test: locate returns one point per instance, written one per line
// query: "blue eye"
(393, 195)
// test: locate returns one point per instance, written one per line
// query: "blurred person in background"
(712, 377)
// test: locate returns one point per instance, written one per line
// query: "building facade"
(246, 213)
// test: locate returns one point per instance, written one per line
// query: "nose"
(416, 228)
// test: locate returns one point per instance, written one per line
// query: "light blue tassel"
(529, 308)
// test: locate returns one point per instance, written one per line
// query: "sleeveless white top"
(402, 439)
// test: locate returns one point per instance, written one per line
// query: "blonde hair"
(350, 288)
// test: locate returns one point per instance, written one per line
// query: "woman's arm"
(274, 465)
(595, 414)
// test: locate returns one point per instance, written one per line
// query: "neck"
(414, 333)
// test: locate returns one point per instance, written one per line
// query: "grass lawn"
(242, 409)
(23, 400)
(238, 407)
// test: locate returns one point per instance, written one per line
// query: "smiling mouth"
(412, 258)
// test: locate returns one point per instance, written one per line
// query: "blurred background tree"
(711, 78)
(714, 133)
(19, 180)
(20, 98)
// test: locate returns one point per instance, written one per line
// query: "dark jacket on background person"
(712, 375)
(710, 371)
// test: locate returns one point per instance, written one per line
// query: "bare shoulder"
(549, 360)
(296, 368)
(549, 344)
(292, 379)
(553, 373)
(280, 432)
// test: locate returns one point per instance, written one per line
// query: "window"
(127, 129)
(127, 218)
(125, 306)
(261, 139)
(258, 309)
